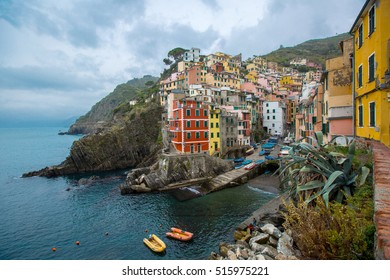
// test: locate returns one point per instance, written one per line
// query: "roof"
(362, 11)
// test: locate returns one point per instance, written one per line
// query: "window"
(360, 115)
(211, 116)
(205, 124)
(371, 21)
(197, 104)
(188, 123)
(273, 117)
(273, 111)
(205, 113)
(188, 113)
(212, 135)
(206, 134)
(217, 134)
(267, 111)
(360, 38)
(211, 125)
(197, 134)
(273, 125)
(188, 135)
(360, 76)
(371, 68)
(372, 114)
(216, 125)
(197, 124)
(197, 113)
(216, 115)
(267, 117)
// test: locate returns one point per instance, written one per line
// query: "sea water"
(38, 214)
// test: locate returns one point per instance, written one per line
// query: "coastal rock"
(271, 230)
(283, 257)
(257, 247)
(223, 250)
(213, 256)
(231, 255)
(119, 147)
(242, 244)
(285, 245)
(244, 254)
(261, 238)
(269, 251)
(260, 257)
(273, 241)
(176, 169)
(140, 188)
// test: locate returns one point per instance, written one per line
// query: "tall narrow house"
(371, 68)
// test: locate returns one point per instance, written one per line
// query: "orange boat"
(179, 234)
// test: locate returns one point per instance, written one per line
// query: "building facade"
(371, 68)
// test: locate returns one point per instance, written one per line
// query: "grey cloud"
(292, 22)
(33, 77)
(78, 25)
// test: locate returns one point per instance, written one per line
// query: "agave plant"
(314, 172)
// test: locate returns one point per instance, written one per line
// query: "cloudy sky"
(58, 58)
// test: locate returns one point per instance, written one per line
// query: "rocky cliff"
(128, 143)
(100, 117)
(171, 169)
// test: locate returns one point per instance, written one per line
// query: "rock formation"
(122, 146)
(172, 169)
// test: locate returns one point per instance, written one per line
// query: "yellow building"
(223, 80)
(214, 129)
(231, 66)
(371, 32)
(184, 65)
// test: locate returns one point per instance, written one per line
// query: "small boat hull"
(155, 244)
(250, 166)
(179, 234)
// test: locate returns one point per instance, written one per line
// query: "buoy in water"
(106, 233)
(146, 230)
(77, 242)
(54, 249)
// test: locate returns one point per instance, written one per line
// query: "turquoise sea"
(38, 214)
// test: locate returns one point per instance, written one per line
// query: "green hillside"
(317, 50)
(103, 111)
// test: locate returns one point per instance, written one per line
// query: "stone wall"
(382, 200)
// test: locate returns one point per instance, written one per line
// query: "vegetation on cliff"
(101, 114)
(317, 50)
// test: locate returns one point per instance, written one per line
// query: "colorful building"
(189, 126)
(371, 70)
(337, 86)
(214, 129)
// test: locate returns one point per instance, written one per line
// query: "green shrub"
(340, 231)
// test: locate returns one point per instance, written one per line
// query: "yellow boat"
(155, 244)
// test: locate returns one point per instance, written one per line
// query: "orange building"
(189, 126)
